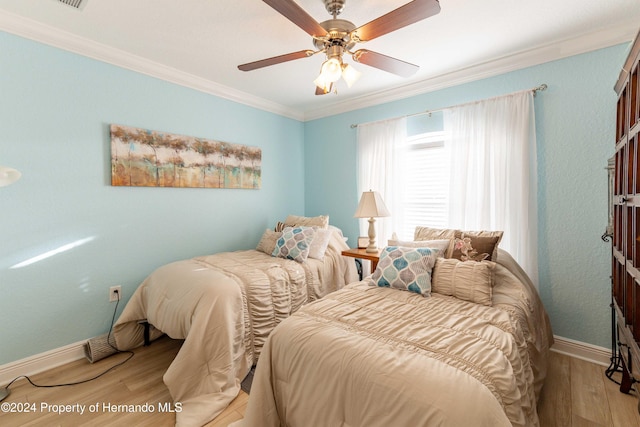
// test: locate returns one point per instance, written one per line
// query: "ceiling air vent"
(78, 4)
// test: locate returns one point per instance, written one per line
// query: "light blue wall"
(55, 110)
(575, 131)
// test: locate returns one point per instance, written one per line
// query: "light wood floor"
(576, 394)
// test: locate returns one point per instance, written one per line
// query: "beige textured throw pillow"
(428, 233)
(268, 241)
(321, 221)
(466, 280)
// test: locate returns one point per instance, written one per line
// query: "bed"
(471, 352)
(225, 305)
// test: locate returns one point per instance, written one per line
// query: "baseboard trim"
(72, 352)
(42, 362)
(581, 350)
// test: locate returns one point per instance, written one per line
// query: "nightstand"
(374, 257)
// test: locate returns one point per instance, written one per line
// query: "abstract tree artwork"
(147, 158)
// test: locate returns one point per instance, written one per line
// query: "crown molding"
(523, 59)
(45, 34)
(33, 30)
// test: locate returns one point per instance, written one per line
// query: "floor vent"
(78, 4)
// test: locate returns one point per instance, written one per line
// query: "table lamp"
(371, 206)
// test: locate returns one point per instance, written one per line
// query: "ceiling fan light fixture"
(334, 37)
(331, 69)
(322, 83)
(350, 74)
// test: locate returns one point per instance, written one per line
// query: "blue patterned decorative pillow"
(407, 269)
(294, 243)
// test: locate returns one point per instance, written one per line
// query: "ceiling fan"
(335, 37)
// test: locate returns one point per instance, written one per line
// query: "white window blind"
(427, 184)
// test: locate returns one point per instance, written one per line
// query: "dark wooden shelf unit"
(625, 272)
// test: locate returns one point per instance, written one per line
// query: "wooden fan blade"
(294, 13)
(275, 60)
(408, 14)
(320, 91)
(384, 62)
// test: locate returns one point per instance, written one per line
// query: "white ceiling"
(200, 43)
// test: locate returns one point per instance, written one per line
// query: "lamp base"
(372, 248)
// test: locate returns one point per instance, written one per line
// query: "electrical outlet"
(115, 293)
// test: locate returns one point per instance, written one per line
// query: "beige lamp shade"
(371, 206)
(8, 176)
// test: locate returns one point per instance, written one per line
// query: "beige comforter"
(370, 356)
(224, 306)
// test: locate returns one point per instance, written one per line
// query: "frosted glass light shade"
(350, 74)
(332, 70)
(323, 83)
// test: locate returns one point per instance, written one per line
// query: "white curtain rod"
(536, 89)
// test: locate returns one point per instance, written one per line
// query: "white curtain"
(493, 180)
(381, 146)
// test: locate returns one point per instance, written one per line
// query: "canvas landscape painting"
(147, 158)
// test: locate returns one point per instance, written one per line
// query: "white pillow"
(442, 244)
(319, 243)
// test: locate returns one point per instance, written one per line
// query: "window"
(491, 185)
(427, 177)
